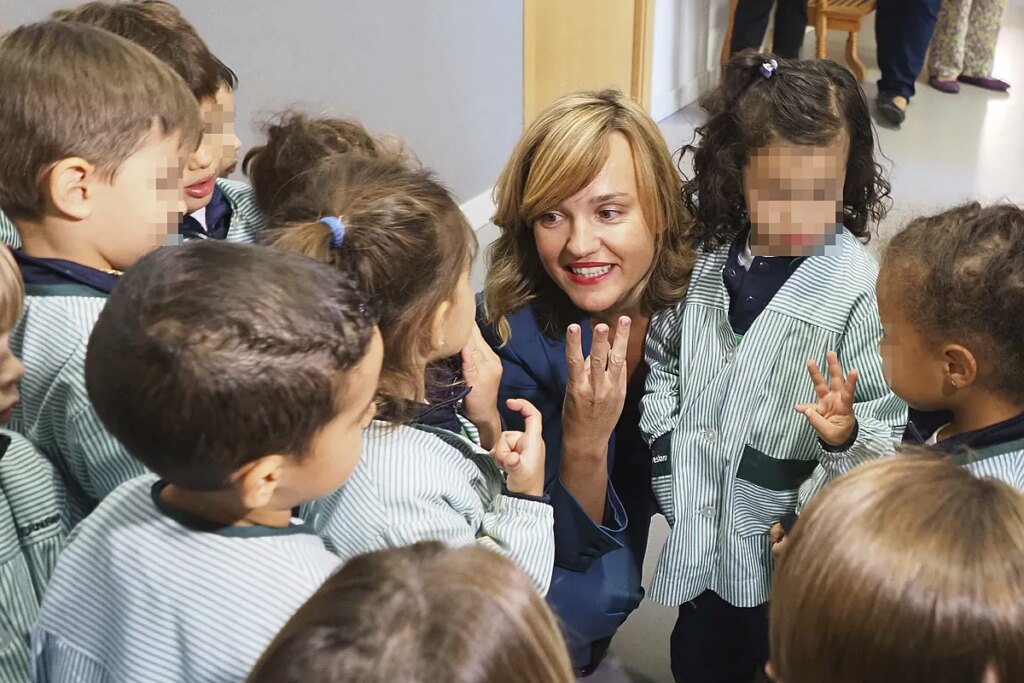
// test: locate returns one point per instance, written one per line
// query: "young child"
(217, 208)
(425, 475)
(91, 174)
(950, 293)
(192, 570)
(785, 187)
(421, 613)
(907, 569)
(32, 522)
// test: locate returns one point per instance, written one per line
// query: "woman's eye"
(548, 218)
(609, 214)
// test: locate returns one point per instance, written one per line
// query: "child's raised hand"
(521, 454)
(832, 416)
(482, 369)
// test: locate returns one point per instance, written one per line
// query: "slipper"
(986, 82)
(889, 107)
(951, 86)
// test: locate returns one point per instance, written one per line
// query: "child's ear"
(257, 481)
(961, 366)
(437, 339)
(68, 187)
(769, 671)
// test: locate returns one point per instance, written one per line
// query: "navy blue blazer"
(597, 577)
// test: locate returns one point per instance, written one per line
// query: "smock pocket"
(766, 490)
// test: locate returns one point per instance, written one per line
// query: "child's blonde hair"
(12, 291)
(907, 569)
(421, 613)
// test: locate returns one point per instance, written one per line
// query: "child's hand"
(832, 416)
(779, 539)
(481, 369)
(521, 454)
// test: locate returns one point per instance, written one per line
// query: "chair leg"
(852, 59)
(727, 43)
(820, 34)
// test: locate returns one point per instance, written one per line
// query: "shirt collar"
(445, 391)
(218, 218)
(993, 435)
(51, 271)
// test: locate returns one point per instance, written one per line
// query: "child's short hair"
(12, 291)
(196, 384)
(907, 569)
(227, 75)
(54, 106)
(295, 143)
(405, 238)
(961, 279)
(420, 613)
(806, 102)
(159, 27)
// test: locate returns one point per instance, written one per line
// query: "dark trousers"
(751, 21)
(714, 642)
(903, 29)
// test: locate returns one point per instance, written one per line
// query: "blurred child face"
(597, 246)
(338, 446)
(217, 150)
(914, 369)
(11, 372)
(136, 212)
(794, 196)
(460, 318)
(222, 126)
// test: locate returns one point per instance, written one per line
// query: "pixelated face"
(597, 246)
(338, 446)
(794, 196)
(11, 372)
(458, 324)
(142, 205)
(914, 370)
(217, 149)
(221, 122)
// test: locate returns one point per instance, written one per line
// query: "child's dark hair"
(421, 613)
(405, 239)
(960, 275)
(228, 77)
(802, 103)
(296, 142)
(159, 27)
(196, 384)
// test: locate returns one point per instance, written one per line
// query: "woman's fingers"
(599, 351)
(574, 353)
(617, 357)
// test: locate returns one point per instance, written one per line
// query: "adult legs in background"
(790, 27)
(946, 57)
(714, 642)
(903, 29)
(751, 22)
(980, 48)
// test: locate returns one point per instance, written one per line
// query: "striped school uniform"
(995, 451)
(421, 483)
(146, 593)
(8, 233)
(731, 456)
(32, 532)
(62, 302)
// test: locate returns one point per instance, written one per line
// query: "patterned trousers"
(964, 42)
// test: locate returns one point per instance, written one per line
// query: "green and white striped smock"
(730, 454)
(1003, 461)
(55, 413)
(143, 593)
(419, 483)
(32, 532)
(247, 221)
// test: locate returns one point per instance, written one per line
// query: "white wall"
(688, 38)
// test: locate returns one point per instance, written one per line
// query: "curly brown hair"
(803, 103)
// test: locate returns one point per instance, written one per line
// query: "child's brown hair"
(159, 27)
(961, 275)
(421, 613)
(53, 106)
(907, 569)
(405, 238)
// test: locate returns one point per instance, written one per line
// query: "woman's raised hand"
(596, 390)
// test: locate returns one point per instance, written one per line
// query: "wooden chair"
(825, 15)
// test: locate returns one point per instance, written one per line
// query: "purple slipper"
(951, 87)
(986, 82)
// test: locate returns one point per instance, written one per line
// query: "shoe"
(952, 87)
(892, 108)
(986, 82)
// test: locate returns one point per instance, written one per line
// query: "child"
(908, 569)
(244, 407)
(216, 208)
(787, 184)
(91, 174)
(421, 613)
(425, 475)
(32, 523)
(950, 293)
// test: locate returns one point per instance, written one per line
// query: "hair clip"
(337, 229)
(768, 68)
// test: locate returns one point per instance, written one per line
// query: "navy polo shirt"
(923, 424)
(52, 271)
(218, 219)
(752, 281)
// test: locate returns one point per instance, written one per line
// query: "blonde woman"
(594, 239)
(906, 570)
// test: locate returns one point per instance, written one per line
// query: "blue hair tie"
(337, 229)
(768, 68)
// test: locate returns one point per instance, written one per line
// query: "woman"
(963, 47)
(594, 239)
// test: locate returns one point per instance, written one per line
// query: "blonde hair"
(421, 614)
(559, 155)
(907, 569)
(12, 291)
